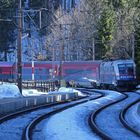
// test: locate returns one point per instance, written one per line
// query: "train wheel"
(103, 86)
(94, 85)
(120, 89)
(117, 88)
(111, 87)
(78, 85)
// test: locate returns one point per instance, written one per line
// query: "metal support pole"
(40, 19)
(133, 46)
(60, 67)
(61, 57)
(19, 63)
(33, 76)
(93, 50)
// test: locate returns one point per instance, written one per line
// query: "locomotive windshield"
(126, 69)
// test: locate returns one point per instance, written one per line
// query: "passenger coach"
(81, 73)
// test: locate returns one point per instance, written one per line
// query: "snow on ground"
(32, 92)
(8, 90)
(73, 123)
(78, 115)
(66, 90)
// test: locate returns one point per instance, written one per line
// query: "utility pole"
(133, 46)
(61, 57)
(61, 52)
(93, 50)
(19, 40)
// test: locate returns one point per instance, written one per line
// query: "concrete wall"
(27, 102)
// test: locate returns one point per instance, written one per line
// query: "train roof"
(83, 62)
(127, 60)
(119, 61)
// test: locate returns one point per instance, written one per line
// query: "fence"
(43, 86)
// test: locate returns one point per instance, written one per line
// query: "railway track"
(24, 121)
(30, 128)
(114, 113)
(83, 127)
(123, 120)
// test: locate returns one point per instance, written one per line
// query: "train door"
(41, 71)
(27, 71)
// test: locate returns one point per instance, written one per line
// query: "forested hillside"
(74, 30)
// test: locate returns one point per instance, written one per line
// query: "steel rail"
(92, 117)
(122, 117)
(29, 129)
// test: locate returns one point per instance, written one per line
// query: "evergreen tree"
(137, 42)
(7, 28)
(105, 32)
(121, 4)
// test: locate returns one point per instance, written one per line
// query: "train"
(112, 74)
(118, 74)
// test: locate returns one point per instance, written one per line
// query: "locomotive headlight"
(117, 76)
(114, 83)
